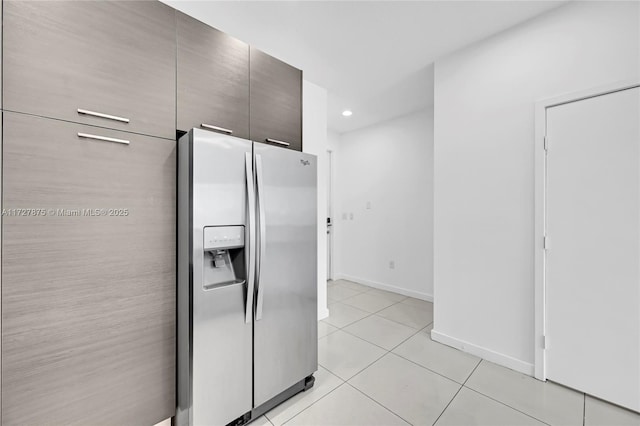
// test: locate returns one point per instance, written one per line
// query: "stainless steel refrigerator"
(247, 277)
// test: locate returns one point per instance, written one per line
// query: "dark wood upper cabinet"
(115, 58)
(213, 79)
(276, 101)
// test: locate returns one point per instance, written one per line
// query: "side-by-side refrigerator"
(247, 277)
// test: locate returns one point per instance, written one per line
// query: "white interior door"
(592, 270)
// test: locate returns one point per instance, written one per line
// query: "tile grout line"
(314, 402)
(385, 354)
(369, 314)
(430, 370)
(507, 405)
(459, 389)
(464, 385)
(419, 331)
(372, 289)
(396, 346)
(375, 313)
(369, 365)
(377, 289)
(380, 404)
(375, 344)
(385, 349)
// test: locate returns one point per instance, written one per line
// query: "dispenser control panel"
(223, 237)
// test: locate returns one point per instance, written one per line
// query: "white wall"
(390, 166)
(314, 141)
(484, 165)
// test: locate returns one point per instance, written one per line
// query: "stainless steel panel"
(218, 356)
(285, 339)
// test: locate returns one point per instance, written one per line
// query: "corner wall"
(484, 165)
(384, 205)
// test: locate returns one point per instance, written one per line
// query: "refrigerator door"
(285, 327)
(215, 340)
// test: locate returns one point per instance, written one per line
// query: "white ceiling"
(375, 58)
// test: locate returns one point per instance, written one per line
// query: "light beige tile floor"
(379, 366)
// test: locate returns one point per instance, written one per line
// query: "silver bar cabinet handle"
(263, 242)
(283, 143)
(217, 129)
(250, 249)
(102, 138)
(101, 115)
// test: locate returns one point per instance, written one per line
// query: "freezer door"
(285, 328)
(215, 341)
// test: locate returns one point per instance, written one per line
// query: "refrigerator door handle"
(262, 240)
(250, 249)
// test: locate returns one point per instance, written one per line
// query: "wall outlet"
(351, 216)
(392, 264)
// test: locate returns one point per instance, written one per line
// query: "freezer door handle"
(262, 240)
(250, 247)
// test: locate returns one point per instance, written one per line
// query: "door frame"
(330, 201)
(540, 168)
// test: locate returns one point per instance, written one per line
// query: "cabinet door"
(213, 79)
(110, 57)
(88, 296)
(276, 101)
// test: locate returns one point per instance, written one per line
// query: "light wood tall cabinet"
(88, 297)
(104, 63)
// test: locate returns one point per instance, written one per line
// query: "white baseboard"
(484, 353)
(387, 287)
(323, 313)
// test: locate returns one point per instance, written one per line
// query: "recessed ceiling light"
(347, 113)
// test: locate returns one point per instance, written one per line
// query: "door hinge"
(545, 144)
(545, 243)
(544, 342)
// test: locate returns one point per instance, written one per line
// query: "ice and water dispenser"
(224, 259)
